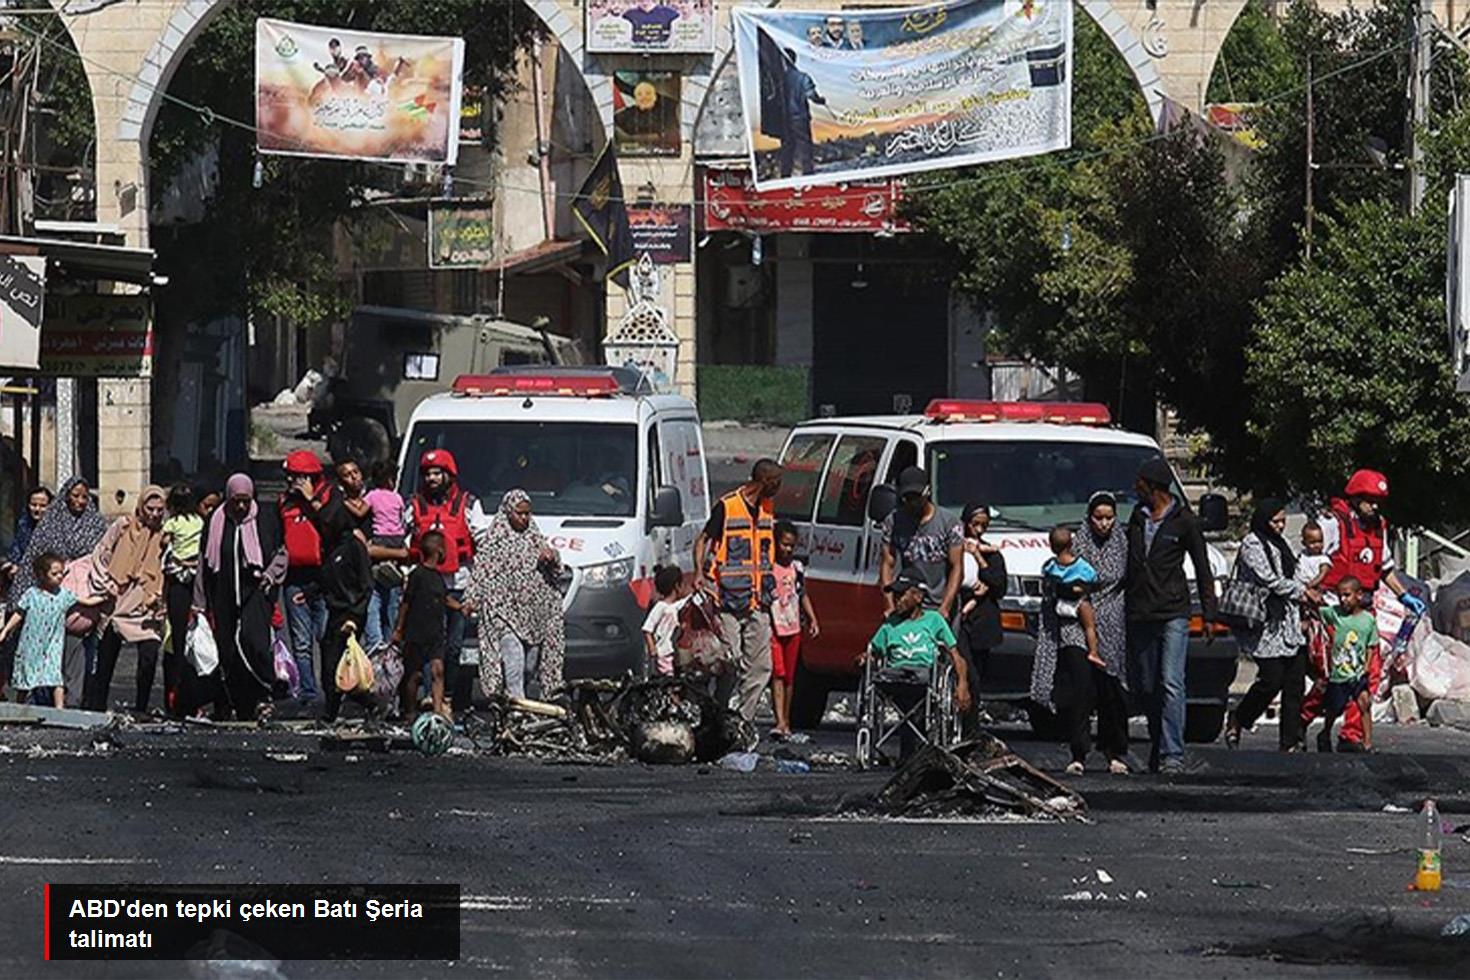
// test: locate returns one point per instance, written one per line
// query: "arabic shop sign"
(22, 305)
(98, 336)
(732, 202)
(460, 236)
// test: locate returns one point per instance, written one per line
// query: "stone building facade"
(131, 50)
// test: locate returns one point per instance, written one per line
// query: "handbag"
(1243, 604)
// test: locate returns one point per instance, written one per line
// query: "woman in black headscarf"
(1266, 560)
(982, 586)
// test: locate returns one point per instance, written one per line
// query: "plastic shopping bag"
(286, 671)
(387, 664)
(354, 672)
(200, 649)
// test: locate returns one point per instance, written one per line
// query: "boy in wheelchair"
(902, 667)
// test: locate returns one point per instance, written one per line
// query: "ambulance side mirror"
(668, 508)
(881, 502)
(1214, 513)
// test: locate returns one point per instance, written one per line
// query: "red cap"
(442, 458)
(1367, 483)
(303, 462)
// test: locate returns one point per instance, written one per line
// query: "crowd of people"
(1114, 621)
(284, 587)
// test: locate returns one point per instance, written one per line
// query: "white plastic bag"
(1440, 667)
(200, 649)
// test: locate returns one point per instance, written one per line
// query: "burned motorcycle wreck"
(660, 720)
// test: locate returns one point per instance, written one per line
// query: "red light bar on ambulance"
(1059, 413)
(565, 385)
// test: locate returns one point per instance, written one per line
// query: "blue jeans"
(382, 614)
(306, 619)
(1156, 657)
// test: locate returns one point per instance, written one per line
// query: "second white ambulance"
(1034, 463)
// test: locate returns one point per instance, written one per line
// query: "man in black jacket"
(1161, 532)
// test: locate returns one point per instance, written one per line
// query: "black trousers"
(1277, 675)
(1081, 687)
(334, 644)
(99, 683)
(977, 661)
(178, 597)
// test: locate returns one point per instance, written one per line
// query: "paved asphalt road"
(693, 871)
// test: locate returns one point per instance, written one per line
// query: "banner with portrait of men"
(841, 95)
(337, 92)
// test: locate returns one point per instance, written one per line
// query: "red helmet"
(442, 458)
(303, 462)
(1367, 483)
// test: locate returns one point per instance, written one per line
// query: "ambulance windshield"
(570, 469)
(1035, 484)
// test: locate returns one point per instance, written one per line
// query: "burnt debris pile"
(977, 778)
(660, 720)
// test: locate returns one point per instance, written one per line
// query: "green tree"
(1123, 261)
(269, 249)
(1348, 366)
(1255, 61)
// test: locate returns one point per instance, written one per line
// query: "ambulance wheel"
(363, 439)
(808, 698)
(1202, 722)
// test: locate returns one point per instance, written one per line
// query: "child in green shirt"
(1354, 635)
(913, 637)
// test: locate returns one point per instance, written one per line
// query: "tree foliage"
(1138, 262)
(1348, 367)
(1123, 261)
(269, 249)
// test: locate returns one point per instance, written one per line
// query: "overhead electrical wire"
(1063, 158)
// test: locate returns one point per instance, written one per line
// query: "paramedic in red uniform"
(441, 504)
(307, 491)
(1356, 537)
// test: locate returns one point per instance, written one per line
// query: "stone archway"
(1130, 46)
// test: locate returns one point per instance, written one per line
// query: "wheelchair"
(893, 701)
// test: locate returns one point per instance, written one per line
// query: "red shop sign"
(731, 202)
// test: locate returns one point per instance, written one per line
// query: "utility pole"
(1311, 164)
(1421, 64)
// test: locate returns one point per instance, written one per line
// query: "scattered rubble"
(661, 720)
(978, 778)
(30, 714)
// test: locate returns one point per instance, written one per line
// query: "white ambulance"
(617, 479)
(1034, 463)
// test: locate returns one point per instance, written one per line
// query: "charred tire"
(1202, 722)
(1044, 723)
(363, 439)
(808, 698)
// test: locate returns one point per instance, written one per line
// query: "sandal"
(1232, 737)
(1118, 767)
(1074, 769)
